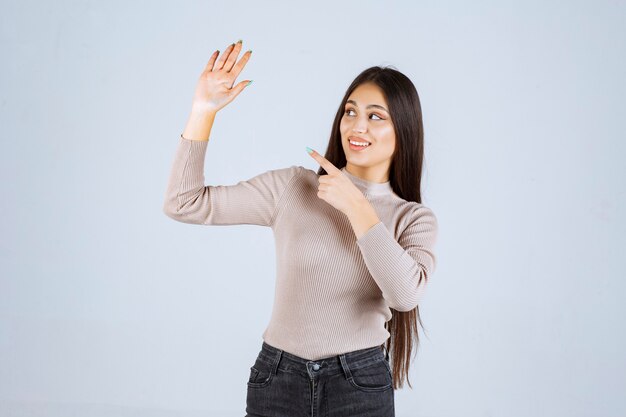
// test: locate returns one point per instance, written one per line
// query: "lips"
(358, 139)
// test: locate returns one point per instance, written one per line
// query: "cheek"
(386, 134)
(390, 143)
(343, 125)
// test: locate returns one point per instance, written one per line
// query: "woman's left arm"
(402, 267)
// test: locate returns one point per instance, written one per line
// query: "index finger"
(324, 163)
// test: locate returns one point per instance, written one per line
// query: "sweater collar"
(369, 187)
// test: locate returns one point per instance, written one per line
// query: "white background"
(110, 308)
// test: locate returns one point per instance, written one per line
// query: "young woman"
(354, 244)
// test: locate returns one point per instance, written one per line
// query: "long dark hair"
(405, 176)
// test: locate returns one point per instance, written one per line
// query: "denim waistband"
(286, 361)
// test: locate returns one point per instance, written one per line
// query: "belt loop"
(344, 365)
(277, 358)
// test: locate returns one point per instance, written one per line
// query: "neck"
(367, 186)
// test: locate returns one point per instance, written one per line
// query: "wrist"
(360, 208)
(362, 217)
(199, 125)
(199, 112)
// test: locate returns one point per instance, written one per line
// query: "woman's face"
(363, 123)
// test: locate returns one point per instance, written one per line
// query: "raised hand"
(215, 86)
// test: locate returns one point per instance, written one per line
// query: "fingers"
(228, 58)
(209, 65)
(220, 63)
(239, 88)
(324, 163)
(232, 56)
(242, 62)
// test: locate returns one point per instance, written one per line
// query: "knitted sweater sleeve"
(402, 267)
(253, 201)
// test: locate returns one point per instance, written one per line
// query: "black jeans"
(357, 383)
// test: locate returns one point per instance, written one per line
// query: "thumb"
(239, 88)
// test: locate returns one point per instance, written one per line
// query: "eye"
(373, 114)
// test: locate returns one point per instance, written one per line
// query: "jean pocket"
(374, 377)
(386, 362)
(260, 375)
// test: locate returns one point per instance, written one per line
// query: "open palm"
(215, 85)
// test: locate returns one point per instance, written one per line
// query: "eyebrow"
(368, 106)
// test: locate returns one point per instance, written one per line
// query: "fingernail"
(309, 150)
(249, 82)
(239, 41)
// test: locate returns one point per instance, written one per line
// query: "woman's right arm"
(253, 201)
(187, 198)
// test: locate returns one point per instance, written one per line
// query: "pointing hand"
(336, 188)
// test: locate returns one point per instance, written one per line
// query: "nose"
(359, 124)
(358, 127)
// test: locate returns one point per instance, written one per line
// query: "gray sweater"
(333, 293)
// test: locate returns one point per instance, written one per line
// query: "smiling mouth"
(358, 141)
(358, 145)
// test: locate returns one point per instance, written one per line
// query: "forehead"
(368, 93)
